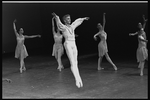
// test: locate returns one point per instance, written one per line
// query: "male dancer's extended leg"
(75, 54)
(74, 68)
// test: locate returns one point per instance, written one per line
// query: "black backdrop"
(35, 18)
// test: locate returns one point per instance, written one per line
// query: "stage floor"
(43, 80)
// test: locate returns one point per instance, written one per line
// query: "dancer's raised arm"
(145, 20)
(79, 21)
(104, 21)
(60, 26)
(53, 27)
(142, 39)
(15, 28)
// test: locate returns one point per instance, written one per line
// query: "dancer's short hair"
(64, 17)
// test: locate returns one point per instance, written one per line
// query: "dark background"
(35, 18)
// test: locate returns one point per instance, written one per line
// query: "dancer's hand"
(95, 38)
(54, 14)
(130, 34)
(86, 18)
(15, 20)
(76, 35)
(39, 35)
(144, 18)
(53, 18)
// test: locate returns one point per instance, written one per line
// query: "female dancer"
(102, 46)
(21, 51)
(142, 52)
(69, 44)
(58, 49)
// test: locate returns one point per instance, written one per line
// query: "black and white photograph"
(74, 49)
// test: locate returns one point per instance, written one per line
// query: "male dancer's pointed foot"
(79, 83)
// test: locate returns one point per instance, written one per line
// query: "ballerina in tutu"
(102, 46)
(142, 52)
(58, 49)
(21, 51)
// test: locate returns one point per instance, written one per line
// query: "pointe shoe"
(24, 69)
(141, 74)
(62, 67)
(59, 69)
(115, 68)
(20, 70)
(99, 68)
(139, 67)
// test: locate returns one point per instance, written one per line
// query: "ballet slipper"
(139, 66)
(59, 68)
(20, 70)
(141, 74)
(115, 68)
(24, 69)
(99, 68)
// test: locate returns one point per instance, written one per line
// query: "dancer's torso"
(142, 35)
(69, 33)
(58, 39)
(103, 36)
(20, 40)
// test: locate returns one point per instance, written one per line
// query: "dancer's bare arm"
(60, 26)
(132, 34)
(33, 36)
(96, 35)
(14, 26)
(53, 27)
(145, 20)
(104, 21)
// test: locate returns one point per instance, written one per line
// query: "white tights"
(72, 53)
